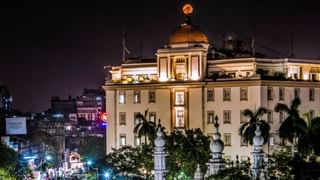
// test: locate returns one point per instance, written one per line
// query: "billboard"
(16, 126)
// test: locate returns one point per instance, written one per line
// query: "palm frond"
(260, 112)
(282, 107)
(295, 103)
(248, 113)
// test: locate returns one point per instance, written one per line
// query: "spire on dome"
(187, 11)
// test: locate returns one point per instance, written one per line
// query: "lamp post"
(89, 163)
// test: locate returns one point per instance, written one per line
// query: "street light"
(107, 175)
(48, 158)
(89, 163)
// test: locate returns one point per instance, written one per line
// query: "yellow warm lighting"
(187, 9)
(305, 76)
(163, 79)
(195, 78)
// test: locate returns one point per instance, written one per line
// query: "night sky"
(57, 48)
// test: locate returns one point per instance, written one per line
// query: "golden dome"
(188, 33)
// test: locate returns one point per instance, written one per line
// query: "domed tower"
(185, 55)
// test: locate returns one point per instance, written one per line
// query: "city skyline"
(59, 49)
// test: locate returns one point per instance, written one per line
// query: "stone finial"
(198, 175)
(258, 139)
(159, 141)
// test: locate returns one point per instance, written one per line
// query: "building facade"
(186, 88)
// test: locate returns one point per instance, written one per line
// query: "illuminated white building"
(186, 89)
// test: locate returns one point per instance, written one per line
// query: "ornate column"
(257, 154)
(159, 155)
(216, 162)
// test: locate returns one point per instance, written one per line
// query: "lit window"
(122, 97)
(152, 96)
(281, 117)
(210, 117)
(311, 94)
(179, 117)
(243, 118)
(210, 95)
(227, 139)
(270, 93)
(123, 139)
(296, 93)
(269, 116)
(180, 98)
(122, 118)
(243, 94)
(152, 117)
(136, 119)
(281, 94)
(136, 97)
(137, 141)
(227, 117)
(226, 94)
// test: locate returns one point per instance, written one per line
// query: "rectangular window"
(244, 158)
(270, 93)
(243, 118)
(210, 95)
(152, 117)
(281, 94)
(152, 96)
(243, 143)
(179, 117)
(179, 98)
(296, 93)
(272, 140)
(136, 97)
(122, 118)
(281, 117)
(227, 139)
(243, 94)
(311, 94)
(311, 114)
(123, 140)
(210, 117)
(227, 117)
(136, 119)
(122, 97)
(226, 94)
(137, 141)
(269, 117)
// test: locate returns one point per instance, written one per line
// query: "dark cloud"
(50, 48)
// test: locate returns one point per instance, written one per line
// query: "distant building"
(186, 86)
(79, 116)
(5, 100)
(90, 104)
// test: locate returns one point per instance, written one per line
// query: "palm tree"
(246, 130)
(145, 127)
(309, 140)
(293, 126)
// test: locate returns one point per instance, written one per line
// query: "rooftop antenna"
(141, 45)
(253, 51)
(124, 48)
(291, 45)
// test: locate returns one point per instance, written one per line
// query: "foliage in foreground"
(185, 152)
(5, 174)
(8, 159)
(238, 172)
